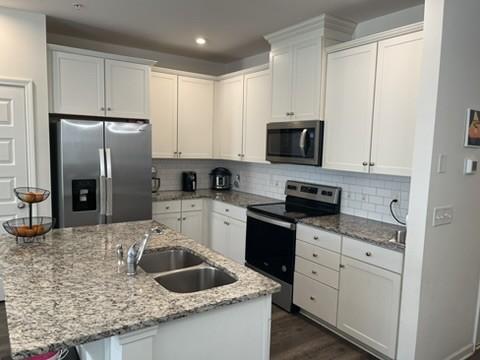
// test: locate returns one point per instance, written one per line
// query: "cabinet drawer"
(318, 255)
(230, 210)
(317, 272)
(316, 298)
(372, 254)
(314, 236)
(162, 207)
(192, 205)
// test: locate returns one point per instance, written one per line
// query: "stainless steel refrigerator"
(101, 171)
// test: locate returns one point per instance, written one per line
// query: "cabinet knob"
(184, 219)
(372, 164)
(167, 207)
(365, 163)
(342, 266)
(102, 109)
(239, 155)
(175, 152)
(368, 253)
(315, 255)
(315, 237)
(179, 153)
(292, 113)
(179, 219)
(227, 210)
(314, 272)
(226, 223)
(109, 109)
(193, 205)
(312, 298)
(21, 205)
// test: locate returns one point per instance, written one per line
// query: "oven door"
(297, 142)
(271, 246)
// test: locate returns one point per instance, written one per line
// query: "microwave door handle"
(303, 137)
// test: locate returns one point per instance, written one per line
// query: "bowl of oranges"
(29, 227)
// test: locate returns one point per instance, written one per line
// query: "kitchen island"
(69, 290)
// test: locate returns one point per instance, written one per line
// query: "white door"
(127, 89)
(398, 77)
(78, 84)
(281, 64)
(14, 171)
(172, 220)
(237, 232)
(307, 71)
(163, 115)
(218, 236)
(229, 118)
(256, 113)
(368, 305)
(349, 108)
(192, 225)
(195, 117)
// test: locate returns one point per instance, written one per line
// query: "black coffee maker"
(189, 181)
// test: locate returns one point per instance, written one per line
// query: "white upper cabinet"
(195, 117)
(229, 118)
(349, 108)
(396, 89)
(84, 82)
(127, 89)
(306, 80)
(256, 114)
(78, 84)
(281, 61)
(163, 114)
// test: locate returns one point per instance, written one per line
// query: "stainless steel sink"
(161, 261)
(193, 280)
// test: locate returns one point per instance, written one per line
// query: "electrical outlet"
(442, 215)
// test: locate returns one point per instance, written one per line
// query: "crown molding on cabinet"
(323, 25)
(376, 37)
(72, 50)
(247, 71)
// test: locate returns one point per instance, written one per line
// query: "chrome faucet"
(135, 252)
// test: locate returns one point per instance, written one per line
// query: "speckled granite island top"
(69, 290)
(375, 232)
(236, 198)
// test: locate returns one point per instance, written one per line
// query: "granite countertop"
(68, 289)
(236, 198)
(375, 232)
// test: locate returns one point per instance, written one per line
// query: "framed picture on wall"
(472, 135)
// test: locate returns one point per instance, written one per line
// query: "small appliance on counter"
(221, 179)
(189, 181)
(155, 180)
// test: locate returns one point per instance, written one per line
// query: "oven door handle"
(269, 220)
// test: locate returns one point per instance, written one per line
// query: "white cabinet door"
(163, 114)
(127, 89)
(349, 108)
(306, 84)
(195, 117)
(218, 229)
(229, 118)
(14, 150)
(396, 89)
(192, 225)
(368, 305)
(78, 84)
(256, 112)
(237, 232)
(281, 64)
(172, 220)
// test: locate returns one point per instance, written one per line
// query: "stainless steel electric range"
(271, 232)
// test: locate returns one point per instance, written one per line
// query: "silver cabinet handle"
(315, 255)
(21, 205)
(365, 163)
(368, 253)
(312, 298)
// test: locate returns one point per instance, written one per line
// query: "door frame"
(27, 86)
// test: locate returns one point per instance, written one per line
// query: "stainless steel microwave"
(295, 142)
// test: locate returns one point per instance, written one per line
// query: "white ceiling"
(234, 28)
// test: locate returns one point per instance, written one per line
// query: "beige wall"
(23, 44)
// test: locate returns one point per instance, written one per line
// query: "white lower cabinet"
(172, 220)
(192, 225)
(368, 306)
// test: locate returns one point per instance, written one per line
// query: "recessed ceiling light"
(77, 6)
(200, 41)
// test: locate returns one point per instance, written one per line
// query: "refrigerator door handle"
(109, 185)
(101, 153)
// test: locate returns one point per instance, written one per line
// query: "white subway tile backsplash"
(362, 194)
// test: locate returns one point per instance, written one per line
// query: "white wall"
(389, 21)
(23, 44)
(442, 264)
(166, 60)
(363, 195)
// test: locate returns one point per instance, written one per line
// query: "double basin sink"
(180, 271)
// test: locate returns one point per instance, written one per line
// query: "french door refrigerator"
(101, 171)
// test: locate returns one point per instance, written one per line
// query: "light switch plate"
(442, 164)
(470, 167)
(442, 215)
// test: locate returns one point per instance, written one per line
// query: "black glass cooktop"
(287, 212)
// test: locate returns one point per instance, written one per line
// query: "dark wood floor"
(297, 338)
